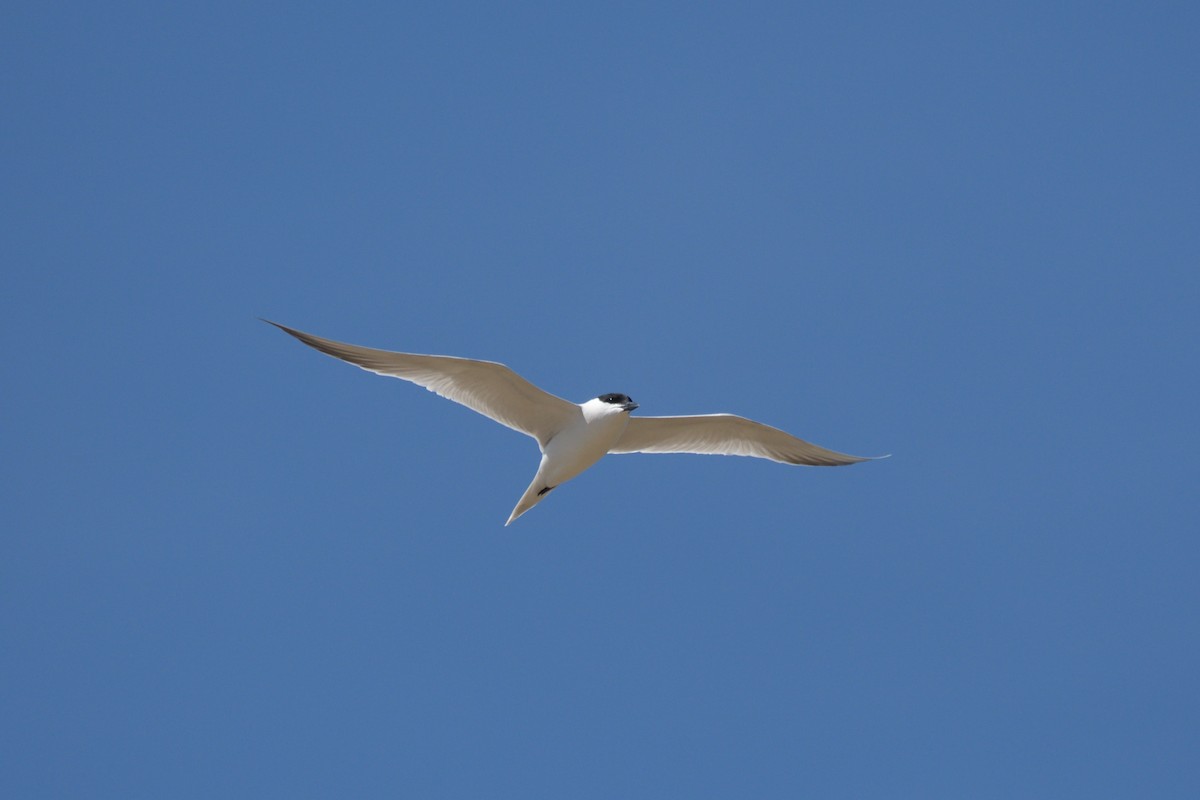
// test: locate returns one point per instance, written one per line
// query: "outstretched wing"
(492, 389)
(724, 434)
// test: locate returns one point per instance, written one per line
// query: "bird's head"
(614, 403)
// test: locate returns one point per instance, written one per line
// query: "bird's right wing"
(724, 434)
(490, 388)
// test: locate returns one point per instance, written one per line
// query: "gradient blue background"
(964, 234)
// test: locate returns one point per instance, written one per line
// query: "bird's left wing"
(490, 388)
(724, 434)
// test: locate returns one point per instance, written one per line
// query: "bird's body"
(573, 437)
(588, 439)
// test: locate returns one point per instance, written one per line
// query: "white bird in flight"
(573, 437)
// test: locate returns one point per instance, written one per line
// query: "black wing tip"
(283, 328)
(843, 460)
(861, 459)
(326, 346)
(307, 338)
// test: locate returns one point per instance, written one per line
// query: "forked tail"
(536, 492)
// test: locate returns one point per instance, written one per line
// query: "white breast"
(582, 444)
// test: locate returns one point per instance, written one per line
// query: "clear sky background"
(964, 234)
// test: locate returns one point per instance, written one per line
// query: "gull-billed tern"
(574, 437)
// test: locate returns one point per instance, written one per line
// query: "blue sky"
(964, 234)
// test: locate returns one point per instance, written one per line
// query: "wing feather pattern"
(487, 387)
(724, 434)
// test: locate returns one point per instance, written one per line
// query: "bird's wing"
(724, 434)
(492, 389)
